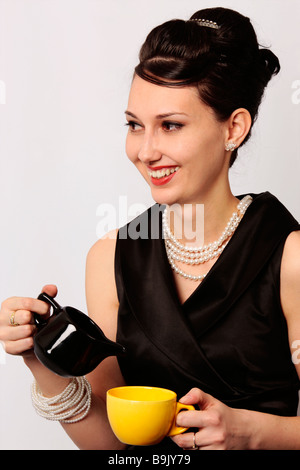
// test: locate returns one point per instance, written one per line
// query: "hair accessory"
(230, 146)
(70, 406)
(206, 23)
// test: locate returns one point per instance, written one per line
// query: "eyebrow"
(159, 116)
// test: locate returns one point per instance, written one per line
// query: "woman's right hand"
(18, 339)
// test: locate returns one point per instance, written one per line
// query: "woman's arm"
(92, 432)
(222, 427)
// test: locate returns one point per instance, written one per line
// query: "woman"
(215, 324)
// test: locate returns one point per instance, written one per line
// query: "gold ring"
(195, 447)
(12, 320)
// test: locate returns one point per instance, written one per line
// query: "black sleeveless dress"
(229, 338)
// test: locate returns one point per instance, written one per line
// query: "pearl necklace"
(176, 251)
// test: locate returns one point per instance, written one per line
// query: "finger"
(195, 441)
(195, 395)
(190, 419)
(18, 347)
(205, 439)
(185, 440)
(25, 303)
(22, 317)
(13, 304)
(19, 332)
(198, 419)
(50, 289)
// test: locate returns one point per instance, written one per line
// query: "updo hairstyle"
(226, 64)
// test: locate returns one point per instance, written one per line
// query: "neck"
(201, 223)
(179, 252)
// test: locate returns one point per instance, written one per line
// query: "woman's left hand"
(219, 426)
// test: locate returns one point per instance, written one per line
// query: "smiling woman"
(194, 99)
(212, 59)
(172, 129)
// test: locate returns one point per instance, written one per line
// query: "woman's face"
(175, 142)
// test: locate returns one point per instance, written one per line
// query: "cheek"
(209, 145)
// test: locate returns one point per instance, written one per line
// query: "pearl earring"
(230, 146)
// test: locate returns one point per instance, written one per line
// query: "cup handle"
(38, 319)
(177, 429)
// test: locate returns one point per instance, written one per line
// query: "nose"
(149, 151)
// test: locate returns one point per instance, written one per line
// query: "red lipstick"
(162, 180)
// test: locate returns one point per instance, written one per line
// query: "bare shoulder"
(102, 304)
(290, 266)
(102, 249)
(101, 293)
(290, 278)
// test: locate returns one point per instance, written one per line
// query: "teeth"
(163, 172)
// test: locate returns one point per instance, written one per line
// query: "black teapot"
(70, 343)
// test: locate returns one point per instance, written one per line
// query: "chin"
(165, 196)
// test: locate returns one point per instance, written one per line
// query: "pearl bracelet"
(74, 400)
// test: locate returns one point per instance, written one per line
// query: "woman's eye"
(166, 126)
(172, 126)
(133, 126)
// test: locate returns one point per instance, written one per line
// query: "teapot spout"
(121, 350)
(99, 352)
(108, 348)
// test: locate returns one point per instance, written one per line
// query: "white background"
(65, 72)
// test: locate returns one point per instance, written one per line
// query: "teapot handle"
(38, 319)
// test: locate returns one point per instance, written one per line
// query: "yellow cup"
(143, 416)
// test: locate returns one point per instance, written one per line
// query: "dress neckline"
(177, 332)
(214, 268)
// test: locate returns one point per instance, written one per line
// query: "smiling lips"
(162, 175)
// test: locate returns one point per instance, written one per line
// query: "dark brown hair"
(226, 64)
